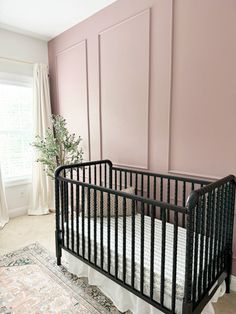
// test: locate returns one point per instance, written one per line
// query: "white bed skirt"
(122, 298)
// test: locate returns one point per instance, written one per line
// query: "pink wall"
(152, 85)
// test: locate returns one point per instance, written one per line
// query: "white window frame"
(17, 80)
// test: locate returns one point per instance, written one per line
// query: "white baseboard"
(18, 212)
(233, 283)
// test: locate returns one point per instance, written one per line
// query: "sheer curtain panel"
(42, 185)
(4, 218)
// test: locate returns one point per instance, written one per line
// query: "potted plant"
(59, 147)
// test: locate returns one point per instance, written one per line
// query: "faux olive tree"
(59, 147)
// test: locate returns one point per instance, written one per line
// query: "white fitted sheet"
(97, 278)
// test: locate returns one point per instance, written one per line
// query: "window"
(15, 129)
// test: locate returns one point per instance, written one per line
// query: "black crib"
(91, 203)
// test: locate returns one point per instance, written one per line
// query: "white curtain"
(4, 218)
(42, 185)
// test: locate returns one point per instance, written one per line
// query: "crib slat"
(83, 209)
(136, 183)
(77, 219)
(223, 202)
(168, 199)
(141, 184)
(133, 246)
(175, 250)
(152, 251)
(142, 249)
(211, 226)
(202, 232)
(108, 232)
(120, 180)
(220, 229)
(215, 268)
(125, 179)
(95, 174)
(100, 174)
(84, 174)
(77, 212)
(212, 242)
(206, 268)
(195, 262)
(161, 190)
(116, 235)
(105, 174)
(115, 179)
(95, 225)
(89, 174)
(72, 212)
(184, 203)
(101, 231)
(131, 178)
(163, 254)
(62, 213)
(88, 221)
(226, 206)
(154, 187)
(124, 239)
(148, 194)
(176, 192)
(67, 214)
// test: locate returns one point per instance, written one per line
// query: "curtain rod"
(16, 60)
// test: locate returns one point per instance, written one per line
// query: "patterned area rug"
(31, 282)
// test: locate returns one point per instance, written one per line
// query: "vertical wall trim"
(100, 93)
(149, 89)
(87, 89)
(171, 84)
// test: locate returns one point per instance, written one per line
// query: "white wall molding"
(20, 211)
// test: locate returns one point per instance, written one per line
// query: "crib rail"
(165, 188)
(115, 232)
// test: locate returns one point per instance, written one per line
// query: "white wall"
(18, 46)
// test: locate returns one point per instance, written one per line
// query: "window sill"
(17, 181)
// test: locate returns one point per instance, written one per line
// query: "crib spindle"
(175, 250)
(163, 254)
(116, 237)
(95, 226)
(142, 249)
(83, 210)
(88, 223)
(133, 246)
(101, 231)
(108, 232)
(124, 239)
(152, 250)
(202, 243)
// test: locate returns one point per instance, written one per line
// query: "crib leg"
(227, 281)
(229, 267)
(58, 248)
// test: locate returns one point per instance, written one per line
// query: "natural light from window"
(15, 131)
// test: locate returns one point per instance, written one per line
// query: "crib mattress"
(180, 267)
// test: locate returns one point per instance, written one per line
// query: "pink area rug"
(31, 282)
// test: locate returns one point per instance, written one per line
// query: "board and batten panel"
(203, 108)
(72, 87)
(124, 91)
